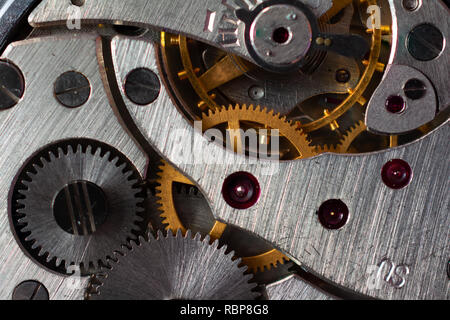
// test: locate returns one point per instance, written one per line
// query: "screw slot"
(72, 89)
(142, 86)
(425, 42)
(415, 89)
(87, 204)
(30, 290)
(12, 85)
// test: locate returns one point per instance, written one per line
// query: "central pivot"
(80, 208)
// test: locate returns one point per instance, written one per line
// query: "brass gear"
(231, 67)
(167, 176)
(234, 116)
(356, 95)
(350, 136)
(354, 132)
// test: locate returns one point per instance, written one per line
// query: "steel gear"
(174, 267)
(79, 206)
(235, 116)
(167, 176)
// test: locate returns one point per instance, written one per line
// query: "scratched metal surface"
(294, 288)
(200, 20)
(38, 120)
(408, 226)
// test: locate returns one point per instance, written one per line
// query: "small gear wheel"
(79, 205)
(174, 267)
(350, 136)
(259, 256)
(236, 117)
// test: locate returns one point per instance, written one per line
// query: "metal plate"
(407, 227)
(39, 120)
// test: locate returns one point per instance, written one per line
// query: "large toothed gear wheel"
(79, 206)
(234, 117)
(174, 267)
(264, 260)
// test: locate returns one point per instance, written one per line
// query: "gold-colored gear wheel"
(355, 96)
(234, 116)
(354, 132)
(167, 176)
(231, 67)
(350, 136)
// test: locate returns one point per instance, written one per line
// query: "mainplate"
(356, 196)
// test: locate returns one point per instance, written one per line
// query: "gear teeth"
(70, 151)
(97, 281)
(25, 226)
(326, 149)
(350, 136)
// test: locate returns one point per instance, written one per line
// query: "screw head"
(241, 190)
(12, 85)
(72, 89)
(396, 174)
(395, 104)
(142, 86)
(342, 76)
(425, 42)
(333, 214)
(415, 89)
(88, 204)
(30, 290)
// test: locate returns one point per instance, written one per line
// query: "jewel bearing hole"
(396, 174)
(241, 190)
(333, 214)
(80, 208)
(281, 35)
(395, 104)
